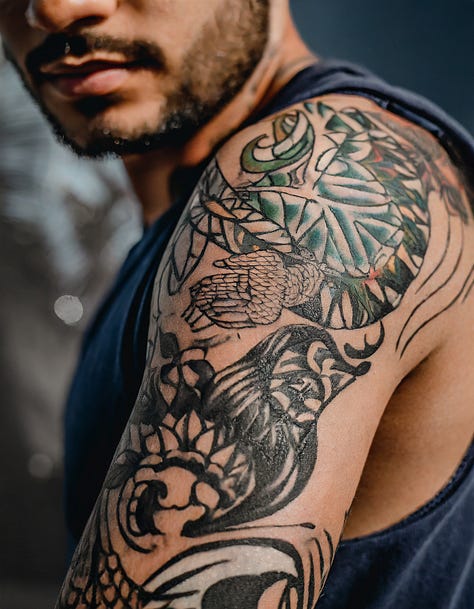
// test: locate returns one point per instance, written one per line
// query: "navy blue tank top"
(425, 561)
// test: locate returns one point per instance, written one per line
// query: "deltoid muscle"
(335, 237)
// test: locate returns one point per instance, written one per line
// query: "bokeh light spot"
(69, 309)
(40, 466)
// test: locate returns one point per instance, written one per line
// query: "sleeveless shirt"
(426, 561)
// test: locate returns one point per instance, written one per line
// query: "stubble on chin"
(213, 71)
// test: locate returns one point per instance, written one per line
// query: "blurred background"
(66, 225)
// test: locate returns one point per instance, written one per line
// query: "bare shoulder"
(354, 210)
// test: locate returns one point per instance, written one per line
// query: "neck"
(152, 174)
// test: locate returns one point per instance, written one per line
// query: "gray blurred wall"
(66, 225)
(425, 45)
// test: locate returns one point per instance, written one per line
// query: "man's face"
(125, 76)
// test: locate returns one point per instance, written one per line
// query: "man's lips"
(89, 78)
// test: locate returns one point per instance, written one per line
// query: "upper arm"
(316, 248)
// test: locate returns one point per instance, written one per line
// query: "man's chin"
(104, 143)
(97, 138)
(100, 128)
(100, 146)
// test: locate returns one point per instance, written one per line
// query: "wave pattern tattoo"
(332, 224)
(242, 447)
(249, 431)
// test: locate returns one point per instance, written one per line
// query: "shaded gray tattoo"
(253, 424)
(242, 443)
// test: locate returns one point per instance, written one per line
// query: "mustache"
(59, 46)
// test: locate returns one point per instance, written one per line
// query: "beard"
(207, 81)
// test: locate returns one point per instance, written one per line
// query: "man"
(310, 325)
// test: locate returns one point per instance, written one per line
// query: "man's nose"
(57, 15)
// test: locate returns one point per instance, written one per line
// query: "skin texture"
(316, 278)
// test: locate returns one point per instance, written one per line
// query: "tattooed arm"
(315, 252)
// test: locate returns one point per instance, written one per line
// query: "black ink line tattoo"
(332, 224)
(443, 310)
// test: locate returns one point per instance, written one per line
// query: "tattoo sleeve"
(282, 284)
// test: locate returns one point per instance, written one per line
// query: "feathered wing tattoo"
(340, 253)
(331, 222)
